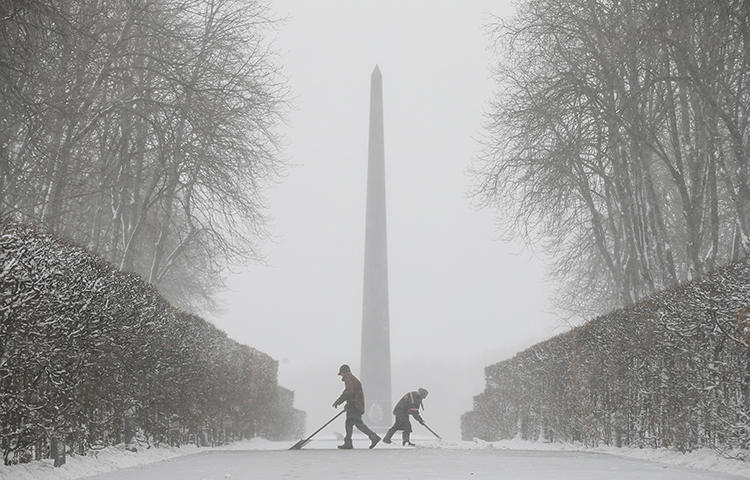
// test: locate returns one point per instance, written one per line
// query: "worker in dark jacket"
(408, 405)
(355, 407)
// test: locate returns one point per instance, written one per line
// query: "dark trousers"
(402, 422)
(354, 419)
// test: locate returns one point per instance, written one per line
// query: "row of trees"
(670, 371)
(142, 129)
(621, 138)
(91, 355)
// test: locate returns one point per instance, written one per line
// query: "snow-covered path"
(327, 463)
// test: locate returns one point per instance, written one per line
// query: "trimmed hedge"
(670, 371)
(91, 356)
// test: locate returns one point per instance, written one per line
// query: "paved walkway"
(328, 463)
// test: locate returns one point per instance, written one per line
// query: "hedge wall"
(671, 371)
(91, 356)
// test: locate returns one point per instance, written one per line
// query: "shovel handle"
(326, 424)
(302, 443)
(432, 431)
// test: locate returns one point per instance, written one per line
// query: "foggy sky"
(460, 298)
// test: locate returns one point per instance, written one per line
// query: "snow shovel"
(302, 443)
(431, 431)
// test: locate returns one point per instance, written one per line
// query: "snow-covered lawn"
(115, 458)
(260, 459)
(704, 459)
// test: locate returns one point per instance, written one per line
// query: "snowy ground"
(259, 459)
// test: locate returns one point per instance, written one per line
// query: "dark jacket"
(352, 395)
(409, 405)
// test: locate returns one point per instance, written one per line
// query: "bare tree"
(618, 141)
(143, 129)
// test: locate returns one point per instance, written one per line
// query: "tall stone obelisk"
(376, 342)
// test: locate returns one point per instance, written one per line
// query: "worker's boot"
(405, 439)
(347, 444)
(388, 435)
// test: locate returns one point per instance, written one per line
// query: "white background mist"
(460, 298)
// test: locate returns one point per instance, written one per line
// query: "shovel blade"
(299, 445)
